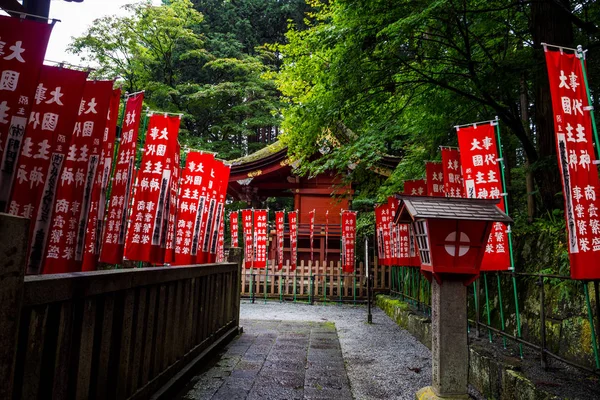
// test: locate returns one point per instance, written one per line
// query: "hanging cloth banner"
(279, 226)
(326, 237)
(435, 179)
(190, 205)
(219, 192)
(383, 223)
(234, 229)
(91, 250)
(379, 234)
(482, 180)
(248, 238)
(145, 231)
(453, 180)
(293, 225)
(311, 216)
(417, 187)
(348, 240)
(260, 237)
(393, 204)
(53, 113)
(575, 152)
(221, 246)
(22, 49)
(73, 195)
(115, 229)
(169, 245)
(217, 173)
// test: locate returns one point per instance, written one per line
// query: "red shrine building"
(270, 173)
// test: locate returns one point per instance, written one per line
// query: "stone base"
(427, 393)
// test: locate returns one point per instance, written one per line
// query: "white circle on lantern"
(463, 247)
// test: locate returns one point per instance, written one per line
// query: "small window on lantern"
(421, 235)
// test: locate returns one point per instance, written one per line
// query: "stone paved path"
(278, 360)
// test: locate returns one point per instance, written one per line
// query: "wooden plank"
(149, 336)
(189, 305)
(86, 348)
(138, 333)
(176, 337)
(34, 352)
(125, 349)
(159, 344)
(63, 352)
(202, 314)
(244, 290)
(301, 277)
(196, 314)
(169, 326)
(105, 346)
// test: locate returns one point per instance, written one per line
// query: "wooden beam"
(12, 5)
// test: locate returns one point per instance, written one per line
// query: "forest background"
(354, 80)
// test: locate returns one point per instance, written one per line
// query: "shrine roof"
(413, 207)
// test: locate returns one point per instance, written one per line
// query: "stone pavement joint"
(278, 360)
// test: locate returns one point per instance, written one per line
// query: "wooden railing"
(313, 280)
(116, 334)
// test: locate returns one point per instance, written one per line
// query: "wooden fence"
(323, 282)
(113, 334)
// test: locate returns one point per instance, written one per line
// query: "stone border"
(491, 377)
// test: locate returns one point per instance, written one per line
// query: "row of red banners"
(58, 133)
(254, 230)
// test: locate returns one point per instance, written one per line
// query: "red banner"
(435, 179)
(248, 238)
(169, 245)
(74, 193)
(393, 204)
(279, 226)
(218, 194)
(416, 187)
(482, 180)
(260, 238)
(382, 224)
(146, 233)
(115, 228)
(53, 113)
(22, 49)
(293, 224)
(91, 250)
(192, 196)
(348, 240)
(234, 229)
(453, 179)
(311, 216)
(575, 151)
(221, 246)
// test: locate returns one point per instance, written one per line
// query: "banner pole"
(591, 320)
(581, 56)
(509, 233)
(487, 305)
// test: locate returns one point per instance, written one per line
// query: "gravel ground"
(382, 360)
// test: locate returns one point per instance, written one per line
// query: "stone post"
(13, 250)
(450, 351)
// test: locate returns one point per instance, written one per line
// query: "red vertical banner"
(208, 199)
(221, 246)
(385, 221)
(293, 225)
(482, 180)
(348, 240)
(435, 179)
(311, 216)
(404, 257)
(393, 204)
(91, 249)
(115, 228)
(248, 238)
(379, 234)
(190, 204)
(146, 230)
(53, 113)
(576, 157)
(74, 192)
(279, 226)
(417, 187)
(260, 238)
(169, 246)
(219, 193)
(234, 229)
(453, 179)
(22, 49)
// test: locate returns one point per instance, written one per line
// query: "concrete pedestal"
(450, 351)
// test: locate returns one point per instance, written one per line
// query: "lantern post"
(451, 236)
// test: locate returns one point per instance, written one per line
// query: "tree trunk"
(548, 25)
